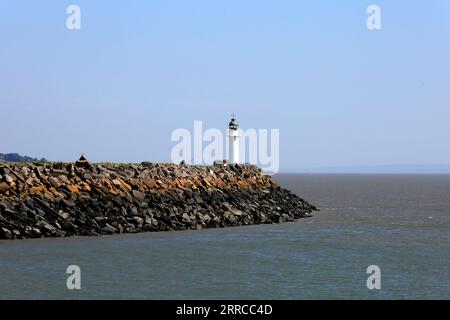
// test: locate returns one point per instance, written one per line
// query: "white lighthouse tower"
(233, 135)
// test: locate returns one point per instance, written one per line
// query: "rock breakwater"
(68, 199)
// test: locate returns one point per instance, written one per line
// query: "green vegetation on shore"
(15, 157)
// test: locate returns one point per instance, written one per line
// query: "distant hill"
(15, 157)
(382, 169)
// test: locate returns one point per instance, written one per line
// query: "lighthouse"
(233, 135)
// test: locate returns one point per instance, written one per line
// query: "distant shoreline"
(382, 169)
(365, 173)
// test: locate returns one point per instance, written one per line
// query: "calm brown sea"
(400, 223)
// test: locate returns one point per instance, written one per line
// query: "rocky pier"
(85, 199)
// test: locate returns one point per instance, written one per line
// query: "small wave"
(340, 208)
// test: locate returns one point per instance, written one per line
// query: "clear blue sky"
(340, 94)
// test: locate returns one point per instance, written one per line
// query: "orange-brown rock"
(65, 199)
